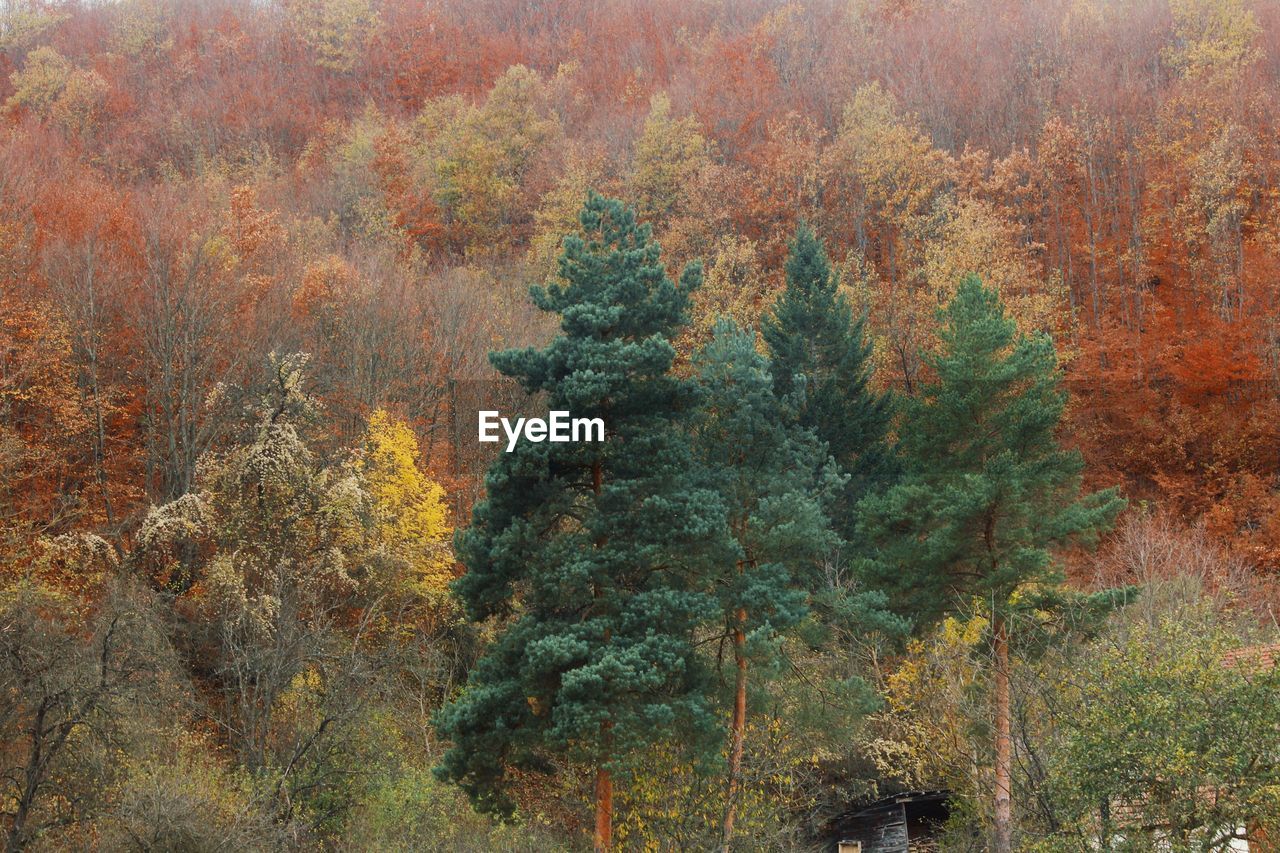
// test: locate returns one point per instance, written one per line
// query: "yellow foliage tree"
(337, 30)
(735, 286)
(141, 29)
(557, 212)
(887, 168)
(924, 733)
(1213, 38)
(669, 804)
(1214, 216)
(360, 206)
(23, 23)
(483, 158)
(412, 516)
(41, 81)
(52, 87)
(669, 153)
(971, 235)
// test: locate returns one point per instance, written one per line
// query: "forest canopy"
(936, 345)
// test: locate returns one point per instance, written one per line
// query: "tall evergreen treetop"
(821, 364)
(776, 482)
(987, 489)
(775, 479)
(986, 492)
(591, 550)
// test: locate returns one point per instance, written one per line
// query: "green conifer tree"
(593, 552)
(986, 493)
(821, 366)
(775, 479)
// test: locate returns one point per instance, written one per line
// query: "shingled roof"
(1253, 658)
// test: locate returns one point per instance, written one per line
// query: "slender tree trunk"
(32, 777)
(604, 811)
(100, 439)
(1003, 840)
(603, 840)
(738, 730)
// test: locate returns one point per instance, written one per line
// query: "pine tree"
(986, 492)
(592, 551)
(821, 365)
(775, 478)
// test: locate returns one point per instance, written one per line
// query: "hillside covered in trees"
(937, 344)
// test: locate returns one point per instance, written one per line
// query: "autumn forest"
(936, 348)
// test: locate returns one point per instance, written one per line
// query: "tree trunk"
(604, 811)
(32, 778)
(1003, 837)
(738, 729)
(603, 841)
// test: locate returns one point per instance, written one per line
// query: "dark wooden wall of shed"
(882, 832)
(925, 820)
